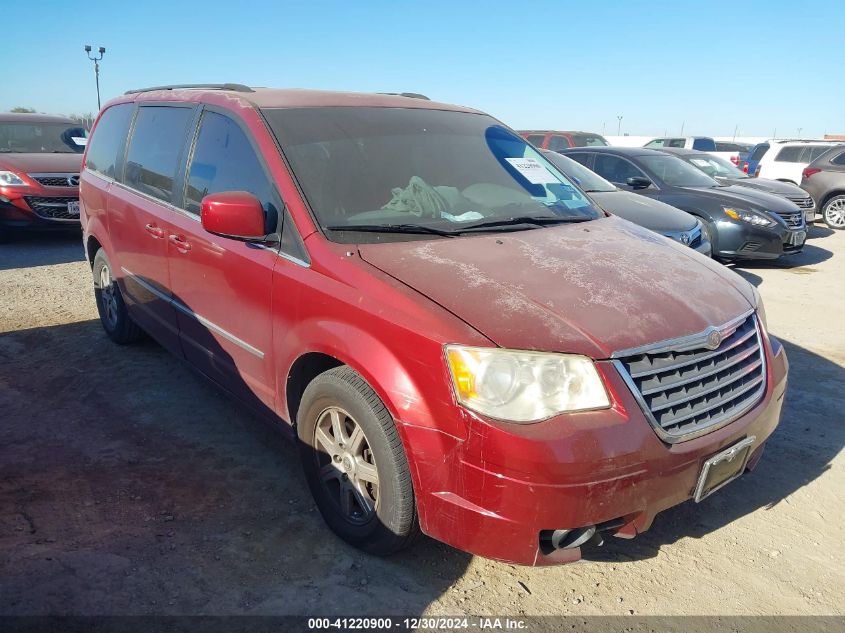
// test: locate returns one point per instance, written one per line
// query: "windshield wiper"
(525, 219)
(392, 228)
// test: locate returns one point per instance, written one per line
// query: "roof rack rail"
(232, 87)
(410, 95)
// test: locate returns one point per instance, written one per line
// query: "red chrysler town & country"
(461, 341)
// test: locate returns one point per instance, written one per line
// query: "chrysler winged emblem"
(714, 339)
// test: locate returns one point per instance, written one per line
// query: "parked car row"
(460, 338)
(779, 172)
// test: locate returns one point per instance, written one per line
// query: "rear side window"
(813, 152)
(675, 142)
(838, 160)
(224, 160)
(581, 157)
(658, 142)
(108, 140)
(155, 149)
(615, 169)
(704, 145)
(536, 139)
(557, 143)
(790, 154)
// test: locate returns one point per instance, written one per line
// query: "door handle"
(155, 231)
(180, 243)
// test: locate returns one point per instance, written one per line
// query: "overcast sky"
(761, 66)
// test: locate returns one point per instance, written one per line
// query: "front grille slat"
(733, 377)
(53, 208)
(688, 390)
(695, 358)
(56, 181)
(793, 220)
(719, 368)
(722, 401)
(805, 202)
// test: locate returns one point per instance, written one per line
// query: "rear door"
(222, 288)
(140, 211)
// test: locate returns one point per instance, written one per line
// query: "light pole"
(619, 125)
(96, 61)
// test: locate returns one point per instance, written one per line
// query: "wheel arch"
(828, 196)
(323, 344)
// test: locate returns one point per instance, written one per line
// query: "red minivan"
(461, 343)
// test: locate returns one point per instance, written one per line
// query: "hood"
(756, 199)
(42, 163)
(652, 214)
(591, 288)
(770, 186)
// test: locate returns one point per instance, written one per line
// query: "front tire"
(355, 463)
(114, 315)
(833, 212)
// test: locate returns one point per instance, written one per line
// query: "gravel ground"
(129, 485)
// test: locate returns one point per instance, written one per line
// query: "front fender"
(400, 380)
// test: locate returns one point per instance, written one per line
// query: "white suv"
(785, 160)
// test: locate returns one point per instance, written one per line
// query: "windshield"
(399, 167)
(588, 180)
(716, 167)
(675, 172)
(42, 138)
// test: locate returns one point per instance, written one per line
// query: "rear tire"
(114, 315)
(355, 463)
(833, 212)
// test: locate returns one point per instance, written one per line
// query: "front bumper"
(494, 494)
(740, 240)
(16, 213)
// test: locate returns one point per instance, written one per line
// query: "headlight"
(10, 178)
(761, 310)
(752, 217)
(522, 386)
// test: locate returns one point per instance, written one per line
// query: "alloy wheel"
(346, 465)
(834, 213)
(108, 292)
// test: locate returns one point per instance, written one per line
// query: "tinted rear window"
(536, 139)
(704, 145)
(838, 160)
(109, 138)
(155, 148)
(814, 151)
(588, 140)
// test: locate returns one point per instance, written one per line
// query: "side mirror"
(638, 182)
(237, 215)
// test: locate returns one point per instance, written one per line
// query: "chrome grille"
(57, 180)
(793, 219)
(687, 388)
(53, 208)
(805, 202)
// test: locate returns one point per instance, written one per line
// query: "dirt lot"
(129, 485)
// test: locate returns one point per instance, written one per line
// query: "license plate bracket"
(797, 238)
(721, 469)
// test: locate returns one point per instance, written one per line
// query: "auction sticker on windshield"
(533, 170)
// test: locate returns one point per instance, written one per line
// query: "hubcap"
(834, 213)
(108, 294)
(346, 465)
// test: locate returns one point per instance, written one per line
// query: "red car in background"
(459, 340)
(40, 160)
(556, 140)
